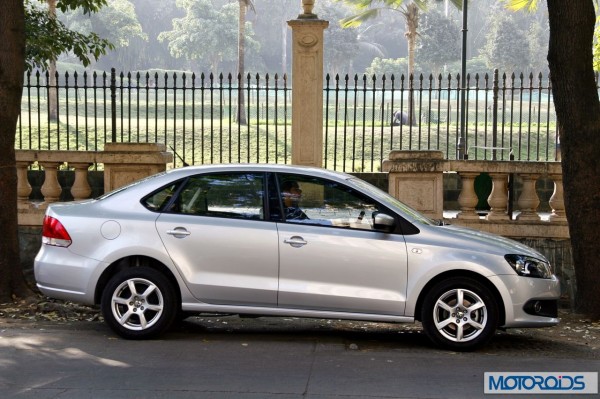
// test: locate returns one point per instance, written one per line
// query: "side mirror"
(384, 222)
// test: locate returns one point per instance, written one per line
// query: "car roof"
(144, 186)
(276, 168)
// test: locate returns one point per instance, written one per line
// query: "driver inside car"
(291, 194)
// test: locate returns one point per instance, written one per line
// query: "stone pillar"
(125, 163)
(23, 187)
(51, 188)
(498, 199)
(557, 202)
(417, 179)
(528, 200)
(307, 84)
(81, 188)
(468, 198)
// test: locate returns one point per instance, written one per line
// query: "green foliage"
(342, 44)
(500, 50)
(597, 46)
(439, 41)
(516, 5)
(537, 38)
(476, 66)
(47, 38)
(388, 67)
(116, 22)
(88, 6)
(207, 34)
(367, 9)
(532, 6)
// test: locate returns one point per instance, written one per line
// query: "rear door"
(215, 232)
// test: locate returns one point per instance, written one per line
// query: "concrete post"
(417, 179)
(307, 85)
(127, 162)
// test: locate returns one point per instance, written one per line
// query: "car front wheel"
(460, 314)
(139, 303)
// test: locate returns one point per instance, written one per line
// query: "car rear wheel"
(460, 314)
(139, 303)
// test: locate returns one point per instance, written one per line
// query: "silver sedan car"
(272, 240)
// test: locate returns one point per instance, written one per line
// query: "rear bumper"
(61, 274)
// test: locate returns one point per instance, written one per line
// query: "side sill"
(280, 312)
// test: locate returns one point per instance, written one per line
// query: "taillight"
(54, 233)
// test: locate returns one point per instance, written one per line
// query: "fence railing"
(230, 119)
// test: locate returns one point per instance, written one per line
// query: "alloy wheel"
(460, 315)
(137, 304)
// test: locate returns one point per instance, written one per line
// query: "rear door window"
(231, 195)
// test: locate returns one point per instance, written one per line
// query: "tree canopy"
(47, 38)
(207, 35)
(438, 43)
(499, 52)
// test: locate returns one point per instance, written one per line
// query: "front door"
(332, 259)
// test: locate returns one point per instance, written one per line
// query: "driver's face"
(292, 197)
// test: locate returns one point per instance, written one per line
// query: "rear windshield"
(133, 184)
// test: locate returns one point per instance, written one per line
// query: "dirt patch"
(46, 309)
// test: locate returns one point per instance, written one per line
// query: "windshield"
(384, 197)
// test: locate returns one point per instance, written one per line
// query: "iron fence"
(230, 119)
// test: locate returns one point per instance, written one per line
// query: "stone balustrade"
(416, 178)
(122, 163)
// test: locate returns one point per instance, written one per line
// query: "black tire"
(460, 327)
(145, 313)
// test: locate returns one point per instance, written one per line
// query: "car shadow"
(364, 336)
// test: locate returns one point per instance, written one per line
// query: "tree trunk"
(52, 81)
(578, 115)
(412, 24)
(12, 65)
(241, 114)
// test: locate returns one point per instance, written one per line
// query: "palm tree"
(410, 12)
(244, 6)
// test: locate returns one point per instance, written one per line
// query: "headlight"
(529, 267)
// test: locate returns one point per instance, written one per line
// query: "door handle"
(179, 232)
(295, 241)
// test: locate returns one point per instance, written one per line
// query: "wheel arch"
(132, 262)
(462, 273)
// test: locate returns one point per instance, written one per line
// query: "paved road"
(228, 357)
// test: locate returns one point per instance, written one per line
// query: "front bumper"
(529, 302)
